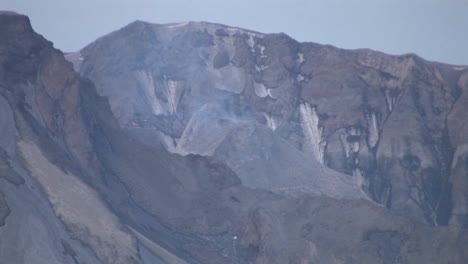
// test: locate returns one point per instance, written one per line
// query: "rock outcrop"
(390, 125)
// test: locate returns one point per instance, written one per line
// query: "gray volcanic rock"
(181, 96)
(260, 157)
(86, 178)
(383, 122)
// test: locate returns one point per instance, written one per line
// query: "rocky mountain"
(389, 125)
(202, 143)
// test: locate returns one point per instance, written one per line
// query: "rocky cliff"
(391, 126)
(200, 143)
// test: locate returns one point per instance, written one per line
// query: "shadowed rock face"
(198, 144)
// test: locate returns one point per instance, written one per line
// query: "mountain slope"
(79, 186)
(381, 122)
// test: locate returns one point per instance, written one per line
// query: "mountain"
(389, 125)
(201, 143)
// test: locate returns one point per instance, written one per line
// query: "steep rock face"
(31, 232)
(190, 89)
(381, 122)
(49, 148)
(78, 186)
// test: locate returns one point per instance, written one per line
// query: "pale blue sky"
(434, 29)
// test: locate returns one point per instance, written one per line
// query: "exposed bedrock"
(361, 113)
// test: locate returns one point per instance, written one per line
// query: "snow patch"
(350, 140)
(272, 121)
(262, 51)
(300, 78)
(174, 91)
(234, 30)
(301, 58)
(147, 84)
(312, 130)
(260, 90)
(176, 25)
(391, 99)
(373, 130)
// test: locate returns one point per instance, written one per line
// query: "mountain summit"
(276, 111)
(203, 143)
